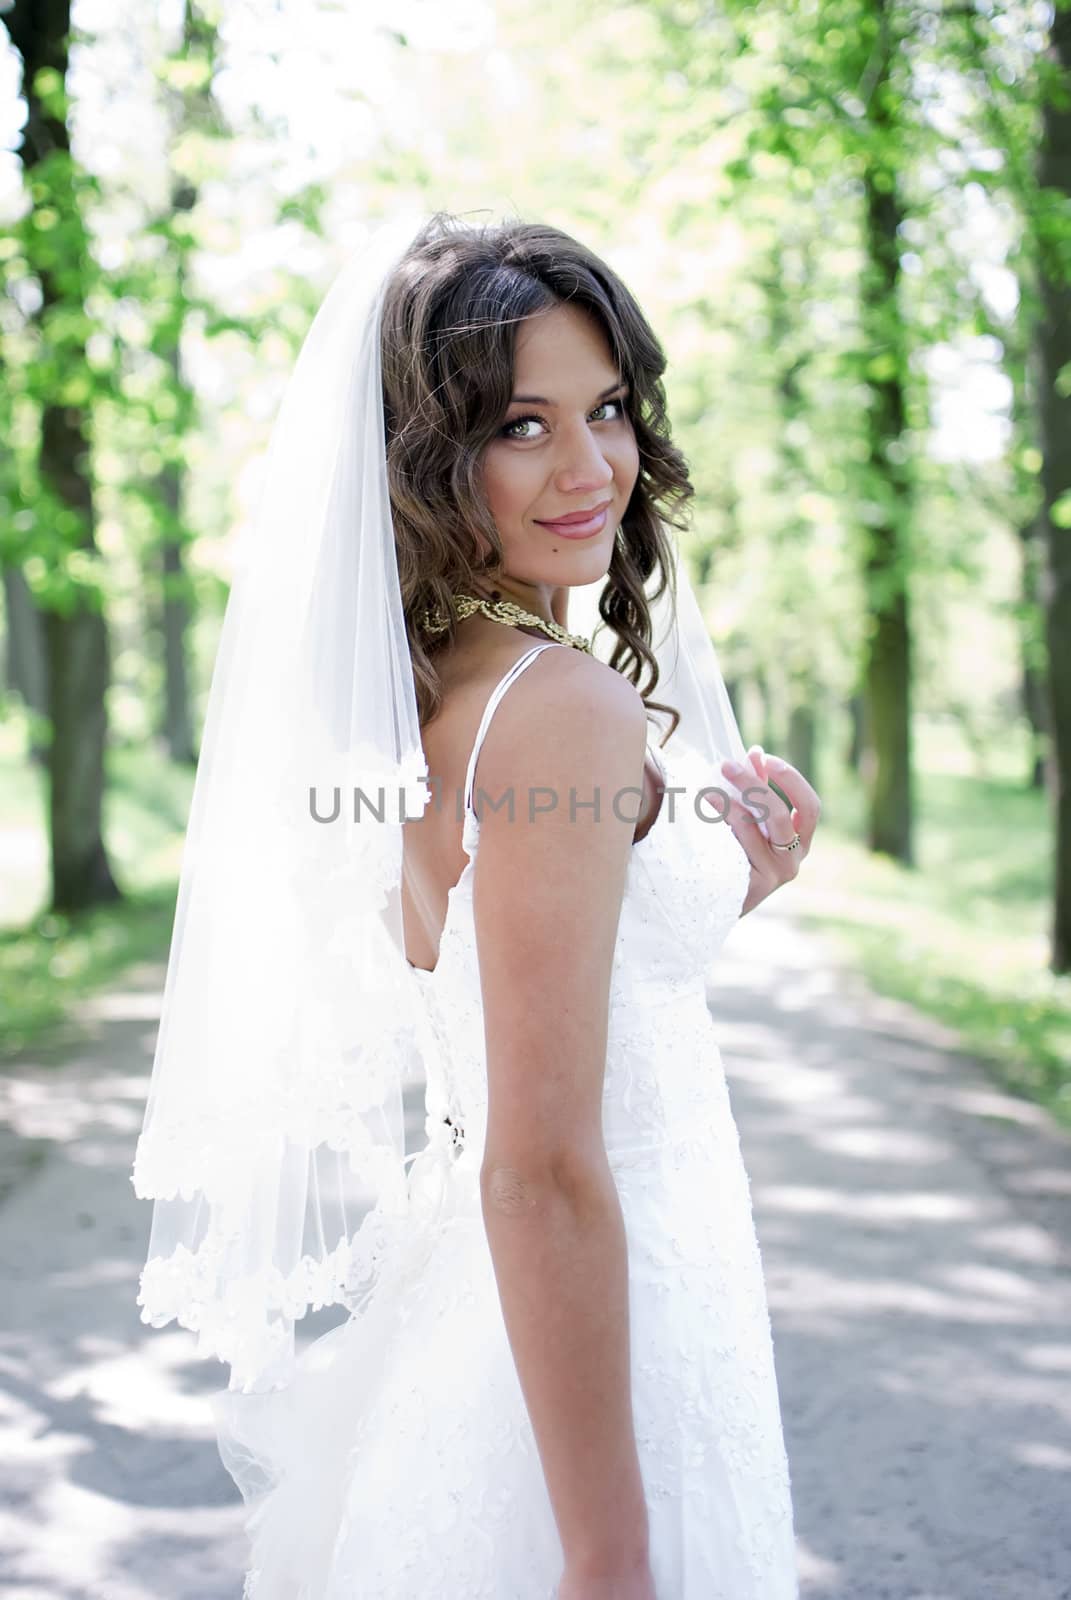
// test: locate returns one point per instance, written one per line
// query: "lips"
(574, 517)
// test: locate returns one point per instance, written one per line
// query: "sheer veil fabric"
(273, 1146)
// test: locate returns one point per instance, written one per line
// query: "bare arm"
(547, 899)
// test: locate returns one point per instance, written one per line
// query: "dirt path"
(915, 1224)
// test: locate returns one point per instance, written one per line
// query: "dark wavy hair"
(450, 316)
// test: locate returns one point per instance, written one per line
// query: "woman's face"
(566, 449)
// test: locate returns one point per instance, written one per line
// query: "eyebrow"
(540, 400)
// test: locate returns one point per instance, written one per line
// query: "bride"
(440, 846)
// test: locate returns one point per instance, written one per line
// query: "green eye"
(506, 432)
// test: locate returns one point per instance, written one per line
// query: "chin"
(575, 565)
(571, 566)
(588, 563)
(590, 569)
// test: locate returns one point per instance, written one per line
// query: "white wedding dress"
(401, 1464)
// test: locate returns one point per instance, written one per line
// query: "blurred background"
(849, 223)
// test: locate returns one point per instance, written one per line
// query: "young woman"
(557, 1377)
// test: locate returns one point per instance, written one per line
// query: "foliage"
(716, 155)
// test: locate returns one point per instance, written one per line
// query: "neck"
(543, 600)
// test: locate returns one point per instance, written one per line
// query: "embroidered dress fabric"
(400, 1461)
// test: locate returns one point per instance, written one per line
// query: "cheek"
(510, 484)
(625, 460)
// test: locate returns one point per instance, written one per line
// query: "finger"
(798, 799)
(754, 792)
(772, 866)
(778, 825)
(803, 803)
(795, 785)
(798, 823)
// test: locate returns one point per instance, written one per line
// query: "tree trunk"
(803, 741)
(193, 107)
(1054, 341)
(855, 753)
(763, 733)
(75, 630)
(1033, 688)
(178, 726)
(887, 648)
(27, 663)
(793, 533)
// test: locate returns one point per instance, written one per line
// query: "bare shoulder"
(566, 717)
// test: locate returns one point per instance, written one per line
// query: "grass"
(53, 962)
(964, 935)
(48, 962)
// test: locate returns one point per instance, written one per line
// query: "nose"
(582, 466)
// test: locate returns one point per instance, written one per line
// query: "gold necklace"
(508, 613)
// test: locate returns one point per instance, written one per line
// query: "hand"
(771, 868)
(638, 1585)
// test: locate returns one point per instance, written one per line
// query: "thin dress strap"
(496, 695)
